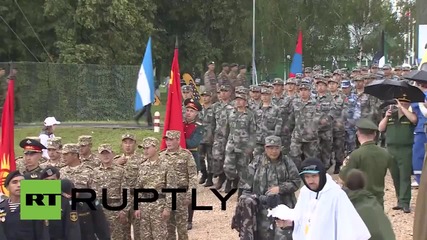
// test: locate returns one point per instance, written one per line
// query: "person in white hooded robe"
(323, 210)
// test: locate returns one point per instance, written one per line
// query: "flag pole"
(254, 77)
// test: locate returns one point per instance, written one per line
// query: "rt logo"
(41, 200)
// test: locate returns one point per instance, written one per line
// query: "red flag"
(173, 117)
(296, 65)
(7, 153)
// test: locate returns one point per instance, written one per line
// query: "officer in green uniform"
(33, 155)
(399, 126)
(368, 158)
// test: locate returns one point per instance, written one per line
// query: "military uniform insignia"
(73, 216)
(28, 141)
(46, 223)
(34, 175)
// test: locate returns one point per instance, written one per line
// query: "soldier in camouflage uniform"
(285, 111)
(308, 72)
(130, 161)
(187, 93)
(205, 148)
(327, 107)
(223, 75)
(278, 92)
(367, 105)
(291, 88)
(304, 123)
(32, 155)
(221, 110)
(152, 174)
(241, 125)
(86, 155)
(232, 77)
(339, 116)
(54, 147)
(111, 177)
(268, 121)
(241, 77)
(210, 81)
(80, 174)
(183, 175)
(254, 102)
(272, 173)
(350, 124)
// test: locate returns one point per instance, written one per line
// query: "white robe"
(330, 217)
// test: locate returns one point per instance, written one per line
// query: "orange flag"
(173, 117)
(7, 152)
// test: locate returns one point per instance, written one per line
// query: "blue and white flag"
(145, 83)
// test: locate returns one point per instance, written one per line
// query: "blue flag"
(145, 83)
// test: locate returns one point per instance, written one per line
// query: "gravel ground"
(215, 225)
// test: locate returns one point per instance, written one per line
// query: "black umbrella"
(390, 89)
(417, 75)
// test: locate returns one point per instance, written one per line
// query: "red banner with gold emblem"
(7, 153)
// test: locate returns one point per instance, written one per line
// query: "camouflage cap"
(255, 88)
(105, 147)
(356, 69)
(225, 88)
(172, 134)
(243, 96)
(225, 64)
(211, 62)
(263, 84)
(206, 93)
(269, 85)
(278, 81)
(265, 91)
(148, 142)
(186, 88)
(128, 136)
(291, 81)
(318, 76)
(374, 65)
(273, 141)
(304, 85)
(234, 65)
(328, 74)
(308, 70)
(317, 68)
(54, 143)
(70, 148)
(242, 89)
(299, 75)
(364, 68)
(333, 80)
(365, 123)
(242, 67)
(386, 67)
(337, 72)
(85, 140)
(321, 80)
(359, 78)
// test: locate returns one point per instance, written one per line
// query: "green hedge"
(73, 92)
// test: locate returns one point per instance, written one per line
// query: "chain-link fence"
(73, 92)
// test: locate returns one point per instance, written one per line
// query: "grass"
(99, 136)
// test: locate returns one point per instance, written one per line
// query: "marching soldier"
(130, 160)
(211, 82)
(75, 170)
(183, 174)
(10, 221)
(241, 126)
(32, 155)
(111, 177)
(278, 91)
(254, 102)
(152, 174)
(54, 147)
(205, 148)
(86, 155)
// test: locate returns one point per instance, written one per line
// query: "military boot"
(221, 180)
(227, 188)
(209, 182)
(203, 177)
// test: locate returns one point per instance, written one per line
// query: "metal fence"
(73, 92)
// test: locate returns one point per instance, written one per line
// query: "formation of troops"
(236, 134)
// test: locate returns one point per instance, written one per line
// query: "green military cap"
(337, 72)
(308, 70)
(173, 134)
(54, 143)
(211, 62)
(398, 68)
(365, 123)
(128, 136)
(263, 84)
(359, 78)
(148, 142)
(242, 96)
(291, 81)
(305, 85)
(328, 74)
(322, 80)
(366, 76)
(234, 65)
(242, 67)
(356, 69)
(265, 91)
(105, 147)
(242, 90)
(186, 88)
(225, 64)
(333, 80)
(278, 81)
(269, 85)
(255, 88)
(70, 148)
(364, 68)
(317, 68)
(206, 93)
(299, 75)
(273, 141)
(85, 140)
(374, 65)
(318, 76)
(225, 88)
(386, 67)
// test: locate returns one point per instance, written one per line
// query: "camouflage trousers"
(286, 143)
(264, 231)
(325, 146)
(338, 147)
(302, 150)
(236, 164)
(244, 219)
(135, 223)
(152, 225)
(178, 220)
(218, 155)
(350, 141)
(205, 152)
(118, 230)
